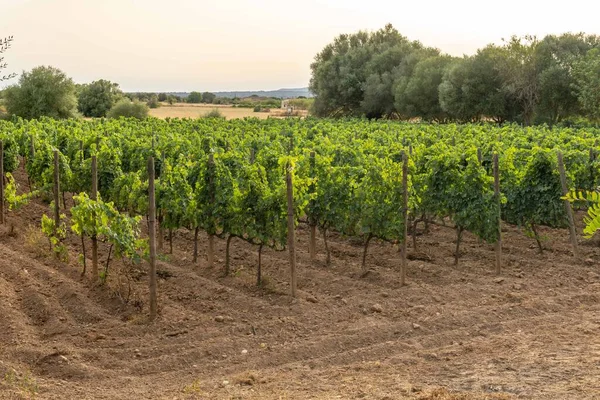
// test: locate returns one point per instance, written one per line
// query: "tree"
(419, 96)
(556, 57)
(473, 88)
(5, 45)
(162, 97)
(44, 91)
(97, 98)
(172, 99)
(339, 73)
(358, 74)
(586, 74)
(194, 97)
(208, 97)
(127, 108)
(520, 73)
(153, 101)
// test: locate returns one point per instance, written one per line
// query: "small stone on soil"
(416, 326)
(499, 280)
(219, 318)
(377, 308)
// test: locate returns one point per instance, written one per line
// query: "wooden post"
(211, 238)
(152, 237)
(94, 196)
(404, 218)
(161, 230)
(568, 209)
(32, 148)
(1, 182)
(498, 244)
(56, 191)
(312, 246)
(291, 228)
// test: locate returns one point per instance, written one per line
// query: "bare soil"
(454, 332)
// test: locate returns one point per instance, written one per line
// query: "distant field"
(198, 110)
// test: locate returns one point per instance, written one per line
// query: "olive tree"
(97, 98)
(587, 83)
(194, 97)
(44, 91)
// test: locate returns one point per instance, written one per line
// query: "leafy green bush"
(127, 108)
(44, 91)
(97, 98)
(214, 113)
(153, 102)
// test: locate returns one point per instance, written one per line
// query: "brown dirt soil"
(451, 333)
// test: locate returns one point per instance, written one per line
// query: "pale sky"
(185, 45)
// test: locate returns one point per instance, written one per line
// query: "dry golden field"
(199, 110)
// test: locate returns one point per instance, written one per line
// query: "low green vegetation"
(228, 177)
(130, 109)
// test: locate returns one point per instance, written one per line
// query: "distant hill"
(280, 93)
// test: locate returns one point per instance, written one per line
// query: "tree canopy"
(44, 91)
(587, 83)
(208, 97)
(98, 97)
(382, 74)
(194, 97)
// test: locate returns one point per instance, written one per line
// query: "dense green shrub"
(126, 108)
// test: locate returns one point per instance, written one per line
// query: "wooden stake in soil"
(404, 218)
(152, 237)
(291, 228)
(56, 192)
(161, 229)
(312, 245)
(210, 254)
(568, 209)
(31, 157)
(498, 245)
(94, 196)
(1, 182)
